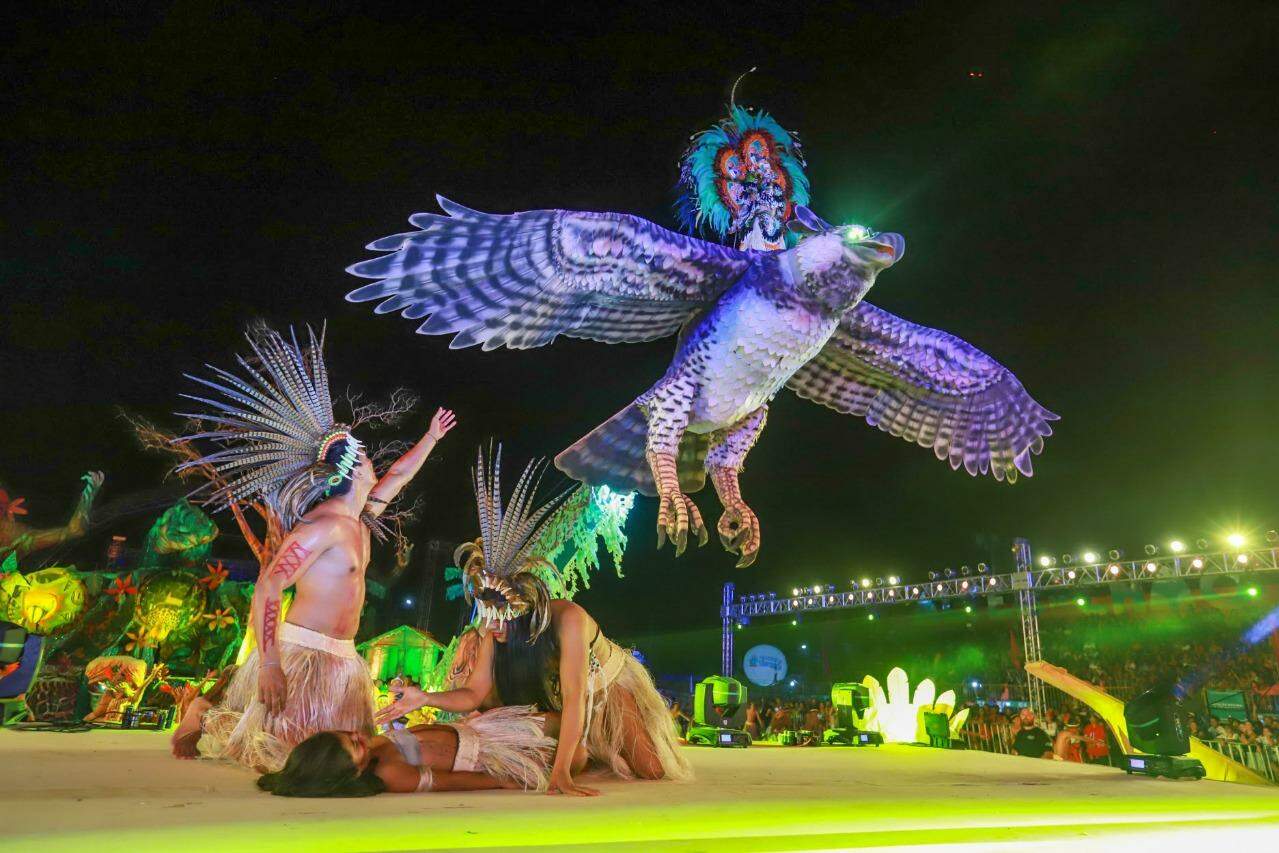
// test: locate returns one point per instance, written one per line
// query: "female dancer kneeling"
(606, 697)
(502, 748)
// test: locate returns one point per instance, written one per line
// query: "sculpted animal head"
(840, 263)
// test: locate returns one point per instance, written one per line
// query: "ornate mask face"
(495, 599)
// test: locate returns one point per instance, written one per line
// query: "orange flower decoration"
(138, 641)
(9, 507)
(220, 619)
(122, 586)
(215, 577)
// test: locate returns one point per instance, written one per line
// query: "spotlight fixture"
(810, 602)
(879, 581)
(830, 600)
(1114, 569)
(1046, 561)
(1151, 550)
(1067, 559)
(803, 647)
(940, 587)
(893, 580)
(932, 576)
(950, 573)
(968, 608)
(818, 589)
(994, 581)
(794, 622)
(865, 583)
(870, 596)
(1176, 546)
(982, 568)
(914, 590)
(1071, 574)
(1081, 602)
(1197, 563)
(1090, 557)
(870, 617)
(795, 591)
(1236, 540)
(1242, 559)
(964, 585)
(1252, 591)
(892, 593)
(794, 602)
(1115, 553)
(1151, 567)
(963, 570)
(1201, 544)
(1272, 536)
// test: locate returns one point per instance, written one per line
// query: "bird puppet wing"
(521, 280)
(929, 387)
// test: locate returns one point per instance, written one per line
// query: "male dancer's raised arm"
(299, 551)
(407, 466)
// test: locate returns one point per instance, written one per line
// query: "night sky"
(1088, 195)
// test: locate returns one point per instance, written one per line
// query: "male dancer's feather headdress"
(279, 439)
(501, 577)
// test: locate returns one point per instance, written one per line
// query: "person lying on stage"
(503, 748)
(531, 649)
(278, 442)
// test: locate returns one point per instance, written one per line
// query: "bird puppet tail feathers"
(613, 455)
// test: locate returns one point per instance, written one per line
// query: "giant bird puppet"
(784, 307)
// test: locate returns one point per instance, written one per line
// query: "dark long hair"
(320, 766)
(523, 670)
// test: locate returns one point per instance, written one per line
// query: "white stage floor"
(120, 790)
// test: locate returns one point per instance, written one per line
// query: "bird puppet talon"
(738, 530)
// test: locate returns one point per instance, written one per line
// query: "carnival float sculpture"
(20, 539)
(748, 320)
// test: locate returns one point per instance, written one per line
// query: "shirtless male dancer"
(304, 676)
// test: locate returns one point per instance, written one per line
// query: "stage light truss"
(1183, 566)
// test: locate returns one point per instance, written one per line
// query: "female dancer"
(606, 697)
(502, 748)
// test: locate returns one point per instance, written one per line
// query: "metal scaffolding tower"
(726, 646)
(1024, 581)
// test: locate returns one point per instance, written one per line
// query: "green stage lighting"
(1236, 540)
(794, 622)
(870, 617)
(1080, 602)
(1252, 590)
(968, 608)
(719, 713)
(1176, 546)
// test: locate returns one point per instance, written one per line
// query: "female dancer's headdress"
(501, 577)
(279, 439)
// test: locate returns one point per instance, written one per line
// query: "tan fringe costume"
(503, 580)
(506, 743)
(607, 713)
(329, 689)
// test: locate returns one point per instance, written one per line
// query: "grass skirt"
(329, 689)
(507, 743)
(611, 715)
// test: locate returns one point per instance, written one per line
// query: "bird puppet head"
(840, 262)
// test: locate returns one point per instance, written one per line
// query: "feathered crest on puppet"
(277, 436)
(501, 576)
(744, 173)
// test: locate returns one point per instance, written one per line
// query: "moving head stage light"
(1157, 725)
(719, 713)
(851, 700)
